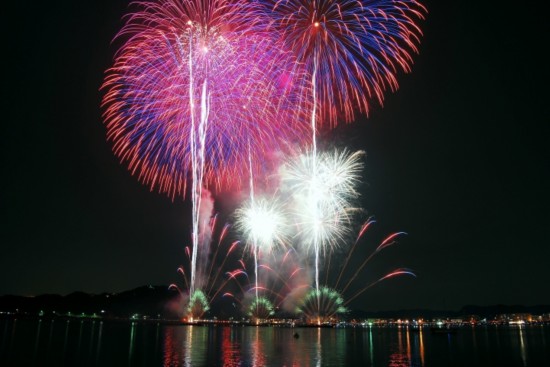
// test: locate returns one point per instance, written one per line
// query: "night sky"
(457, 158)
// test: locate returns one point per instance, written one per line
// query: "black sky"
(457, 158)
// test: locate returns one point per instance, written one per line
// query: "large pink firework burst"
(353, 48)
(198, 85)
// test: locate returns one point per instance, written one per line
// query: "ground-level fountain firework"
(212, 95)
(321, 305)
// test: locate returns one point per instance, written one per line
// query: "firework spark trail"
(212, 279)
(364, 227)
(180, 270)
(220, 267)
(280, 278)
(197, 163)
(199, 301)
(400, 271)
(327, 267)
(224, 230)
(254, 237)
(276, 275)
(174, 286)
(313, 198)
(285, 288)
(232, 277)
(290, 266)
(387, 242)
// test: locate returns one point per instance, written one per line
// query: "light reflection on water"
(522, 345)
(409, 348)
(318, 345)
(102, 343)
(231, 355)
(258, 356)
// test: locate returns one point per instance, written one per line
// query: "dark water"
(27, 342)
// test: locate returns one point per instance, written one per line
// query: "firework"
(196, 85)
(262, 223)
(198, 305)
(323, 187)
(318, 194)
(356, 269)
(260, 309)
(281, 281)
(198, 82)
(352, 48)
(220, 272)
(321, 305)
(326, 303)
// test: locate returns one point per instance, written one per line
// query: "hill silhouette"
(164, 303)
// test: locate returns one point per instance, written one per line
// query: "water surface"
(28, 342)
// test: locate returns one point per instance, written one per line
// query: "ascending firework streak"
(193, 83)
